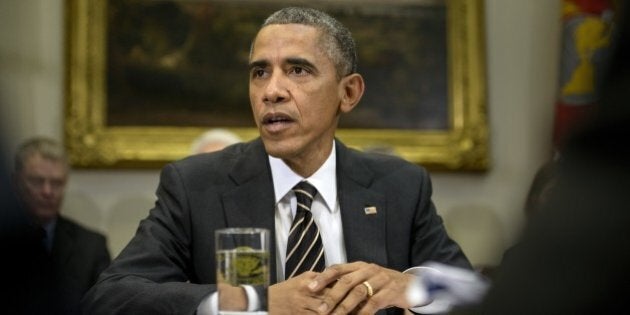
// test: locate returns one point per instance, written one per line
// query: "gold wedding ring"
(370, 291)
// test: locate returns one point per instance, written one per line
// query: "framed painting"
(145, 77)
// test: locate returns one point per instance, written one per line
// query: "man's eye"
(299, 71)
(35, 180)
(257, 73)
(57, 183)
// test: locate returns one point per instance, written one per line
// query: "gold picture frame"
(92, 143)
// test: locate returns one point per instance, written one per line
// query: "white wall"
(482, 211)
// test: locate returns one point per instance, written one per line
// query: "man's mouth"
(271, 119)
(277, 122)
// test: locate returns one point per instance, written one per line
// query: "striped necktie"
(304, 247)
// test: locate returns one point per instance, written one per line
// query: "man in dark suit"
(73, 255)
(374, 212)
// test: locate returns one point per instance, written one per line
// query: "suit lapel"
(251, 203)
(364, 231)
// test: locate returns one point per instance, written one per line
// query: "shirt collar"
(324, 179)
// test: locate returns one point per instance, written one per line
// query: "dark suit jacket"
(234, 188)
(78, 256)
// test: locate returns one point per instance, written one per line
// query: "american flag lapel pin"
(370, 210)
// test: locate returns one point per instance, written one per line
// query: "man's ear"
(351, 90)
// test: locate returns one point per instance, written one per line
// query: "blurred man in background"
(213, 140)
(74, 255)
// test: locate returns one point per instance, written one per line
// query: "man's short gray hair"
(337, 41)
(48, 148)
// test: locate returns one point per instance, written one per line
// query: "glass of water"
(242, 256)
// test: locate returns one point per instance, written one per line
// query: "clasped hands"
(352, 288)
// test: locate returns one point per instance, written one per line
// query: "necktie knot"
(304, 192)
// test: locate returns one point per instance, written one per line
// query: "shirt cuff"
(419, 295)
(210, 304)
(253, 302)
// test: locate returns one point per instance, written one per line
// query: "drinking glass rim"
(242, 230)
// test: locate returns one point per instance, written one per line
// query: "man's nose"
(276, 89)
(47, 188)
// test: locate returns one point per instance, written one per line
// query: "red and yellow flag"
(586, 38)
